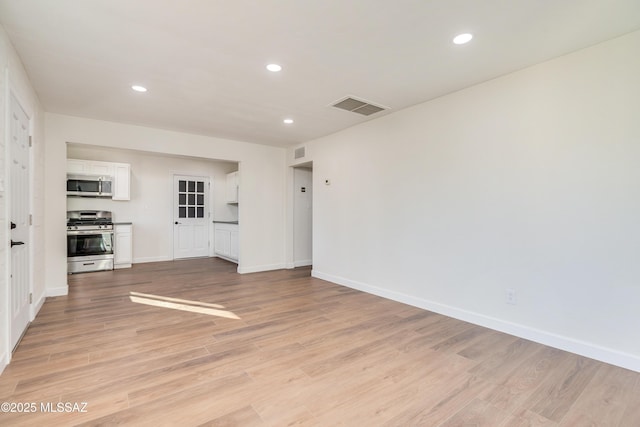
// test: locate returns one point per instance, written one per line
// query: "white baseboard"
(4, 361)
(57, 292)
(295, 264)
(225, 258)
(259, 268)
(583, 348)
(151, 259)
(303, 263)
(38, 305)
(120, 266)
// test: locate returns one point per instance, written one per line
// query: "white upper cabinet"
(76, 166)
(232, 187)
(120, 172)
(101, 168)
(89, 167)
(121, 181)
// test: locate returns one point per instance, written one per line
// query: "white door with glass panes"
(190, 216)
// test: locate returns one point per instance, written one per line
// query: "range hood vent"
(359, 106)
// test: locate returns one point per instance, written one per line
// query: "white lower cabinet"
(123, 245)
(233, 244)
(226, 241)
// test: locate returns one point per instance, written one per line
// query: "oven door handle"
(87, 232)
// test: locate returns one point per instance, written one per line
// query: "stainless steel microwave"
(89, 186)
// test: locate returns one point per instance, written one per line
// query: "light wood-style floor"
(301, 352)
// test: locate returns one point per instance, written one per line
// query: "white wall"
(529, 181)
(14, 80)
(151, 205)
(262, 184)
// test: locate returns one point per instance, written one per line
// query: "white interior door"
(190, 216)
(19, 214)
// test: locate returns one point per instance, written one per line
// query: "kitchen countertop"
(225, 222)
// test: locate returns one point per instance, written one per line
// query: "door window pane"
(191, 199)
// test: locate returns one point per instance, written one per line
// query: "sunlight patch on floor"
(182, 304)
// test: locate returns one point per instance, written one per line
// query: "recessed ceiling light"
(462, 38)
(288, 121)
(139, 88)
(274, 67)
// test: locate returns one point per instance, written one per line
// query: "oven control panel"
(90, 227)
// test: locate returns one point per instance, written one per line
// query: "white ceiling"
(203, 61)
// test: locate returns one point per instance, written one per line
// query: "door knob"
(176, 222)
(16, 243)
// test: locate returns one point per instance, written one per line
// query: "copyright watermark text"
(33, 407)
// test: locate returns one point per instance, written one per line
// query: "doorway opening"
(303, 215)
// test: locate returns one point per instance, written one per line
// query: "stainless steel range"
(89, 241)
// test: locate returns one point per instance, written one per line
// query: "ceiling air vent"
(299, 153)
(358, 106)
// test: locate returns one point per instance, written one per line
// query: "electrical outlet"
(510, 296)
